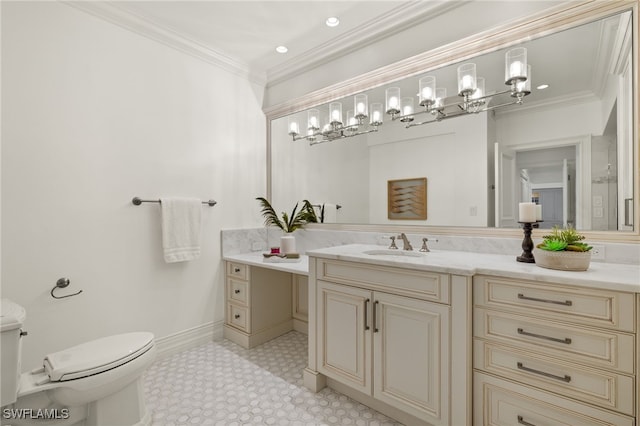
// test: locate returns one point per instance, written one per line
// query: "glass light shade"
(392, 96)
(292, 125)
(361, 106)
(479, 93)
(313, 120)
(515, 65)
(335, 113)
(376, 114)
(427, 94)
(441, 94)
(524, 87)
(407, 109)
(466, 79)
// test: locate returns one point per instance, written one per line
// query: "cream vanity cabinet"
(258, 304)
(385, 333)
(551, 354)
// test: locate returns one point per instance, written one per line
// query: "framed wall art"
(407, 199)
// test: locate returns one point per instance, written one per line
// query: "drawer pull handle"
(236, 316)
(566, 340)
(535, 299)
(366, 310)
(542, 373)
(522, 421)
(236, 291)
(375, 323)
(236, 270)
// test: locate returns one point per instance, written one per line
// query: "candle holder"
(527, 244)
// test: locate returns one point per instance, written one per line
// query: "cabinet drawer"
(237, 291)
(579, 305)
(603, 348)
(238, 316)
(605, 389)
(404, 282)
(238, 270)
(500, 402)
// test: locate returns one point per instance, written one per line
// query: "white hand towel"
(330, 213)
(181, 228)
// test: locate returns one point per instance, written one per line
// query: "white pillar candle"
(527, 212)
(538, 212)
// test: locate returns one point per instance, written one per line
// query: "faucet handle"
(393, 245)
(424, 247)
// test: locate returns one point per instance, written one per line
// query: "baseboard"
(190, 338)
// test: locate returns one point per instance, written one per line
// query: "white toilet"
(98, 383)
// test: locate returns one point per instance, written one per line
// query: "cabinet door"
(411, 356)
(344, 335)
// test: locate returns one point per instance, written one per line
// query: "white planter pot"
(562, 260)
(287, 244)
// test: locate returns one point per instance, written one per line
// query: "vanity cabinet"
(547, 353)
(258, 304)
(393, 348)
(386, 332)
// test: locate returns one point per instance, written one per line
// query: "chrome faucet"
(407, 245)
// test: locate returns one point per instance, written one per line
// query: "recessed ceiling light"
(282, 49)
(542, 86)
(332, 21)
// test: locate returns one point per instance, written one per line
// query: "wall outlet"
(257, 246)
(597, 252)
(473, 211)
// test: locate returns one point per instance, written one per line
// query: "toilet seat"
(97, 356)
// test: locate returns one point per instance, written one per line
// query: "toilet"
(98, 383)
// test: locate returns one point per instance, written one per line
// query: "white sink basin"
(388, 252)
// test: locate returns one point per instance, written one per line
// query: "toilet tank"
(12, 317)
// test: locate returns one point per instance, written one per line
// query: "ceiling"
(244, 34)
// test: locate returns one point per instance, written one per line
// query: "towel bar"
(338, 206)
(137, 201)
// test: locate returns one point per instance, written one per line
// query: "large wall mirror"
(572, 146)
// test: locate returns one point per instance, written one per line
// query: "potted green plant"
(563, 249)
(288, 223)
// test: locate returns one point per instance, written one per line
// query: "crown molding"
(111, 12)
(404, 16)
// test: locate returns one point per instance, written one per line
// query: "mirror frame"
(544, 23)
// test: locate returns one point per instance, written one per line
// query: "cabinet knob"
(236, 270)
(236, 316)
(236, 291)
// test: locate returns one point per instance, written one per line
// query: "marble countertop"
(599, 275)
(611, 276)
(257, 259)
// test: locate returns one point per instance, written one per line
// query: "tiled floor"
(221, 383)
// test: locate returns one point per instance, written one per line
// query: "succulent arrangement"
(564, 239)
(297, 219)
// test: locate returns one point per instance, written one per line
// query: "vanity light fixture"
(470, 88)
(432, 99)
(336, 127)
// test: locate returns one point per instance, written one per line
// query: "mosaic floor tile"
(221, 383)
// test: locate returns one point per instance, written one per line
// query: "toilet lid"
(96, 356)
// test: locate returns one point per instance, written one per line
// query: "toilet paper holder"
(62, 283)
